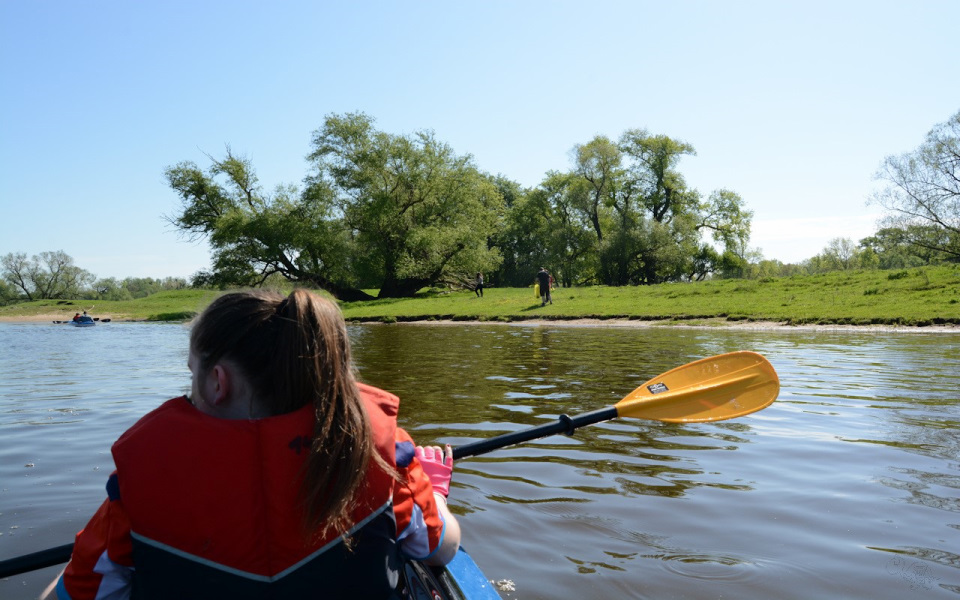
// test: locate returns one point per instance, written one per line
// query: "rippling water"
(846, 487)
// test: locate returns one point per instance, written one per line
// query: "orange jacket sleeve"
(420, 525)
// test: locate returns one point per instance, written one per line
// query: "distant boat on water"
(82, 321)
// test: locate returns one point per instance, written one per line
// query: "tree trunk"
(347, 294)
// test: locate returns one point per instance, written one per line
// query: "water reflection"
(854, 466)
(843, 396)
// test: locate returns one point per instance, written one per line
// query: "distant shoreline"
(924, 299)
(662, 324)
(49, 318)
(717, 323)
(52, 318)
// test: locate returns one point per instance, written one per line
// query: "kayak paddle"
(35, 560)
(711, 389)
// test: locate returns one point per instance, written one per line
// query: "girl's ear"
(220, 384)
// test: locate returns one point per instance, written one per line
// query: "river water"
(846, 487)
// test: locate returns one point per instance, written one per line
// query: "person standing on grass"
(479, 288)
(543, 279)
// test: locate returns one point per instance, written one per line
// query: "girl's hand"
(438, 465)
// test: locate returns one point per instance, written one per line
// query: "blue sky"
(791, 104)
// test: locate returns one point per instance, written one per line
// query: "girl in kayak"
(279, 476)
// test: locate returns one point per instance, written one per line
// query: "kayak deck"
(460, 579)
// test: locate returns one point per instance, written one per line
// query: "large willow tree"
(254, 234)
(419, 214)
(383, 211)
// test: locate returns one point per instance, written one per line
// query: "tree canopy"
(386, 211)
(48, 275)
(402, 212)
(922, 193)
(255, 234)
(417, 212)
(623, 214)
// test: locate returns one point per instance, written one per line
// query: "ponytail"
(295, 351)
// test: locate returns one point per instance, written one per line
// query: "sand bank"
(609, 323)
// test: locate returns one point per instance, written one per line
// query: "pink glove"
(438, 465)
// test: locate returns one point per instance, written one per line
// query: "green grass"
(176, 305)
(917, 297)
(924, 296)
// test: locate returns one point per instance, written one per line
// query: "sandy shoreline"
(610, 323)
(699, 324)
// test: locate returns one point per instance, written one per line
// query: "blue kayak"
(461, 579)
(81, 322)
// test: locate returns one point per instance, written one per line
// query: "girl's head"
(292, 351)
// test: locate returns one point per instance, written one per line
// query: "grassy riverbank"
(176, 305)
(928, 296)
(911, 297)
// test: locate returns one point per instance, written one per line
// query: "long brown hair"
(294, 350)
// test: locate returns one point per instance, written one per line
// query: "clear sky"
(791, 104)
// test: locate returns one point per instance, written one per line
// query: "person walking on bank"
(479, 288)
(543, 280)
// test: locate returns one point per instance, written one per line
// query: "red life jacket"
(213, 508)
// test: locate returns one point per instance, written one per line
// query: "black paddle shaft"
(37, 560)
(563, 424)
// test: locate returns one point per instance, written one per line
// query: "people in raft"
(76, 317)
(279, 476)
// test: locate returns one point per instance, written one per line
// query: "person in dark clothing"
(479, 288)
(543, 279)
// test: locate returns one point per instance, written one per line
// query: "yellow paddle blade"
(711, 389)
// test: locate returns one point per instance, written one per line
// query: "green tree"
(419, 212)
(672, 247)
(647, 225)
(895, 247)
(141, 287)
(598, 165)
(923, 191)
(654, 171)
(254, 234)
(521, 239)
(16, 271)
(8, 293)
(568, 241)
(48, 275)
(110, 289)
(842, 254)
(724, 214)
(606, 197)
(502, 238)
